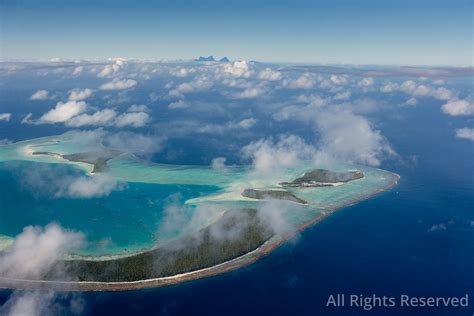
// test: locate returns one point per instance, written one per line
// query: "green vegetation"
(272, 194)
(323, 177)
(239, 231)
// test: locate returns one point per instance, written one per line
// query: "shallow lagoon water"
(132, 218)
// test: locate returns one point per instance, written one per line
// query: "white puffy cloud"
(342, 79)
(269, 156)
(457, 107)
(111, 69)
(348, 137)
(77, 71)
(178, 105)
(5, 117)
(63, 112)
(366, 82)
(40, 95)
(389, 87)
(342, 95)
(138, 108)
(411, 102)
(238, 68)
(134, 119)
(247, 123)
(442, 94)
(118, 84)
(410, 87)
(465, 133)
(200, 83)
(305, 81)
(250, 93)
(181, 71)
(269, 74)
(99, 118)
(36, 250)
(98, 185)
(79, 95)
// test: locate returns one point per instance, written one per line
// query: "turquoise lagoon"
(134, 217)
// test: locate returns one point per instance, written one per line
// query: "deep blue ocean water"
(388, 245)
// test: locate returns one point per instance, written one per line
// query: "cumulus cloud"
(104, 117)
(63, 112)
(118, 84)
(238, 68)
(77, 71)
(40, 95)
(181, 104)
(348, 137)
(36, 250)
(79, 95)
(465, 133)
(270, 155)
(411, 102)
(305, 81)
(366, 82)
(133, 119)
(250, 93)
(95, 186)
(111, 69)
(269, 74)
(389, 87)
(343, 79)
(457, 107)
(5, 117)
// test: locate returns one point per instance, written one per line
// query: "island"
(236, 231)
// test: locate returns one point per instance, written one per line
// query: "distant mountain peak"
(201, 58)
(224, 60)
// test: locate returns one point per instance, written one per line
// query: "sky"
(415, 32)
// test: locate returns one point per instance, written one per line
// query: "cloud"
(342, 80)
(269, 74)
(219, 164)
(178, 105)
(305, 81)
(35, 251)
(465, 133)
(5, 117)
(99, 185)
(437, 227)
(247, 123)
(133, 119)
(138, 108)
(366, 82)
(342, 95)
(118, 84)
(389, 88)
(411, 102)
(40, 303)
(63, 112)
(111, 69)
(40, 95)
(250, 93)
(79, 95)
(104, 117)
(239, 68)
(269, 155)
(456, 107)
(77, 71)
(135, 143)
(350, 138)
